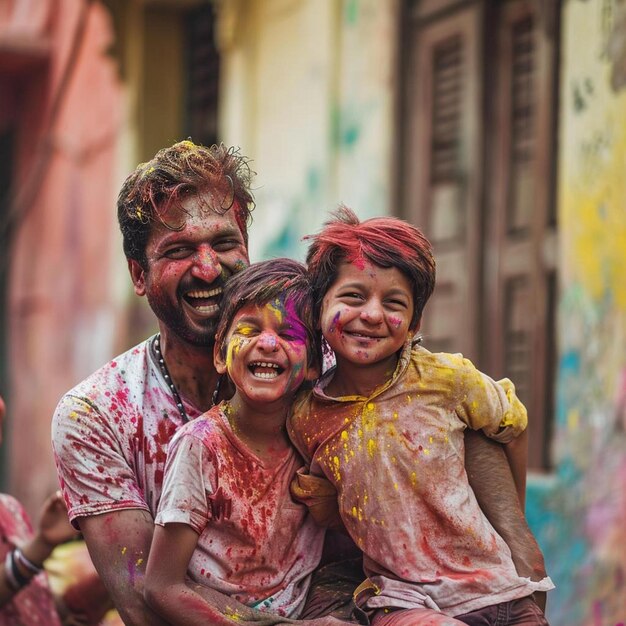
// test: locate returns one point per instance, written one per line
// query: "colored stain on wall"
(579, 513)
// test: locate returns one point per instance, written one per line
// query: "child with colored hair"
(385, 427)
(226, 517)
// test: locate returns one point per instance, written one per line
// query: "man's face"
(186, 269)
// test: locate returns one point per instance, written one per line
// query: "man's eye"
(178, 253)
(225, 245)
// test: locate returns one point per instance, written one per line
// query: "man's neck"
(191, 369)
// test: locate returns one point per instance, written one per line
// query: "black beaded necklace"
(156, 346)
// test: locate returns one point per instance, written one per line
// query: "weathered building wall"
(64, 304)
(580, 514)
(308, 93)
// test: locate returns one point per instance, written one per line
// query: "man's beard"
(201, 335)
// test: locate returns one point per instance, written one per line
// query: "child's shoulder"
(440, 363)
(203, 426)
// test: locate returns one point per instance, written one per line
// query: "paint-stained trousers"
(522, 612)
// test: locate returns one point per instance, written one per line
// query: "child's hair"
(383, 241)
(262, 283)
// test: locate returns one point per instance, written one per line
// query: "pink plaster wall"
(63, 316)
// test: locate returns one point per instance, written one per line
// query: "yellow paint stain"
(371, 447)
(573, 420)
(395, 486)
(138, 562)
(413, 479)
(592, 192)
(124, 550)
(232, 614)
(426, 451)
(369, 417)
(344, 435)
(74, 416)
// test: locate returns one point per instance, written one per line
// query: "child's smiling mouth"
(265, 369)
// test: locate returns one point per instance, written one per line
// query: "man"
(183, 218)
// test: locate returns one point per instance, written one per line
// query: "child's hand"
(54, 525)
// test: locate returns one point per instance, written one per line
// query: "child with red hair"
(385, 427)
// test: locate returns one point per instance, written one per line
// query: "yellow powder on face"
(235, 344)
(277, 308)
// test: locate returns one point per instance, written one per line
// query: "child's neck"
(262, 428)
(360, 380)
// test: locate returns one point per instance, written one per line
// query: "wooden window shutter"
(520, 233)
(442, 176)
(202, 75)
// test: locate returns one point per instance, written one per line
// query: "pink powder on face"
(395, 321)
(336, 324)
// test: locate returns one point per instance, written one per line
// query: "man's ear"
(138, 276)
(218, 361)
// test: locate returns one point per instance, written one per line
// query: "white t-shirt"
(256, 544)
(110, 436)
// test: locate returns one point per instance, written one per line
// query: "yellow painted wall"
(308, 93)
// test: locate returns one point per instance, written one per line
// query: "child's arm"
(166, 590)
(320, 497)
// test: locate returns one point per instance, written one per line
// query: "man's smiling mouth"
(204, 300)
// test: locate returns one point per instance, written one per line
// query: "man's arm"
(517, 456)
(118, 544)
(491, 479)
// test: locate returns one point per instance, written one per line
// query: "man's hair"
(262, 283)
(180, 171)
(383, 241)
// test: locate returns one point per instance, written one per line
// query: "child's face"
(366, 313)
(266, 352)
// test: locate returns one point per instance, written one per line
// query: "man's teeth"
(198, 299)
(204, 293)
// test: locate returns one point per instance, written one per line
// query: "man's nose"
(268, 341)
(206, 265)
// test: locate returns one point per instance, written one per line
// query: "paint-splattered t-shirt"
(34, 604)
(396, 460)
(256, 544)
(110, 436)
